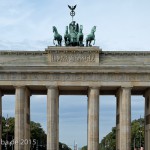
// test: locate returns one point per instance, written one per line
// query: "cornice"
(126, 53)
(51, 49)
(22, 53)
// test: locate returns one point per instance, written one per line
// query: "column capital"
(121, 88)
(126, 87)
(94, 87)
(20, 86)
(52, 87)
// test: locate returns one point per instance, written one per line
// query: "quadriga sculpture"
(74, 36)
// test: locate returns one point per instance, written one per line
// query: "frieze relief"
(75, 77)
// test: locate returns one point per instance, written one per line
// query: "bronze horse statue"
(67, 37)
(57, 37)
(80, 36)
(91, 37)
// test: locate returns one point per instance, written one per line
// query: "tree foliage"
(137, 137)
(36, 131)
(63, 146)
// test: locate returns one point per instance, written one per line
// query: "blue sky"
(121, 25)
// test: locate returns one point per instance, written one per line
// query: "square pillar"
(147, 119)
(1, 118)
(93, 118)
(123, 119)
(19, 117)
(27, 120)
(52, 118)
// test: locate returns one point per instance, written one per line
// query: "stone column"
(27, 120)
(93, 118)
(52, 118)
(147, 120)
(123, 120)
(1, 118)
(19, 117)
(117, 120)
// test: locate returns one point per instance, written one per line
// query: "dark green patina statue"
(57, 37)
(74, 37)
(91, 37)
(73, 34)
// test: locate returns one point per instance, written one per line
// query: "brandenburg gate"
(76, 71)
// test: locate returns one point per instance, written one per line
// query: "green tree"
(8, 128)
(137, 137)
(37, 134)
(63, 146)
(137, 133)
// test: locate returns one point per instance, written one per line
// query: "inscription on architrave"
(73, 56)
(76, 57)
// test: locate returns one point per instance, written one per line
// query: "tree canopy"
(137, 137)
(36, 131)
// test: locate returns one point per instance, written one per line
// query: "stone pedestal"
(123, 119)
(0, 118)
(147, 120)
(93, 118)
(52, 118)
(19, 117)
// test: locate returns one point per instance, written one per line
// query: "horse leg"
(54, 41)
(59, 42)
(86, 43)
(94, 42)
(90, 43)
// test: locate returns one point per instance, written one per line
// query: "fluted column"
(27, 120)
(0, 118)
(123, 120)
(19, 117)
(52, 118)
(118, 120)
(93, 118)
(147, 120)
